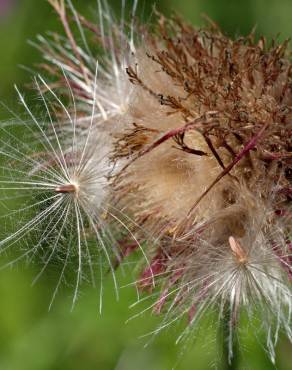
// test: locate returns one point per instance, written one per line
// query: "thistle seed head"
(179, 141)
(207, 173)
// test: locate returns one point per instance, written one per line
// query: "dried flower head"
(208, 172)
(183, 140)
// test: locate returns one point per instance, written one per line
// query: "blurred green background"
(31, 338)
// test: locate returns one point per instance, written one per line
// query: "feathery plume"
(58, 170)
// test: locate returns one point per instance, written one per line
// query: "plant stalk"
(229, 346)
